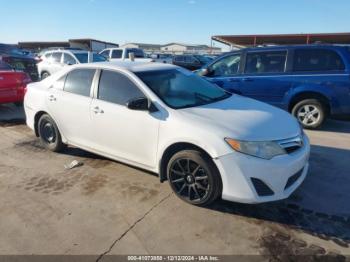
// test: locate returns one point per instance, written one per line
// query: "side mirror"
(140, 104)
(203, 72)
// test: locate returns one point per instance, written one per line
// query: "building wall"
(175, 48)
(181, 49)
(96, 46)
(146, 48)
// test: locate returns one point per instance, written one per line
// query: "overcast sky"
(163, 21)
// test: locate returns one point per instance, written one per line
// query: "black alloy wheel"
(194, 178)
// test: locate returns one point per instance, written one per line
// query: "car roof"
(70, 51)
(280, 47)
(129, 66)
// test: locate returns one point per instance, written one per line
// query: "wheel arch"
(296, 98)
(37, 116)
(173, 149)
(36, 122)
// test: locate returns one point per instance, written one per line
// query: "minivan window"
(117, 88)
(117, 53)
(79, 81)
(265, 62)
(317, 60)
(56, 57)
(226, 66)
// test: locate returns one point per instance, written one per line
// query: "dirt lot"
(105, 207)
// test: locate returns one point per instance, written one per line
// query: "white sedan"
(206, 142)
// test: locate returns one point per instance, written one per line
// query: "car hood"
(245, 119)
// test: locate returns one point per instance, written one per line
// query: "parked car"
(12, 84)
(207, 142)
(45, 50)
(119, 54)
(162, 58)
(19, 60)
(191, 62)
(310, 81)
(54, 61)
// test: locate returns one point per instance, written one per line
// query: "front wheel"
(194, 177)
(49, 134)
(310, 113)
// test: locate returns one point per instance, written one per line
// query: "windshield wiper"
(202, 97)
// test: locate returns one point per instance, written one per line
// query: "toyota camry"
(206, 142)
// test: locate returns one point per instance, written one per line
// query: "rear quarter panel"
(335, 87)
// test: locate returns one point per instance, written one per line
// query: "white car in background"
(206, 142)
(121, 54)
(55, 60)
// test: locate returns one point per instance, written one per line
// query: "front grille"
(261, 188)
(291, 149)
(293, 179)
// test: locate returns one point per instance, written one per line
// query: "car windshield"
(180, 88)
(84, 57)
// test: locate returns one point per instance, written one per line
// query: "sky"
(164, 21)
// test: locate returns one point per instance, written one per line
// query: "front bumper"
(237, 171)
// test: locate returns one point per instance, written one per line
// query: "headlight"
(265, 150)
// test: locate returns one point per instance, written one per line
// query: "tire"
(44, 75)
(194, 178)
(311, 113)
(49, 134)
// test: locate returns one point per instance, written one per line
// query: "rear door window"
(68, 59)
(317, 60)
(117, 53)
(79, 81)
(117, 88)
(266, 62)
(56, 57)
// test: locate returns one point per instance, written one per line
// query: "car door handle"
(247, 80)
(97, 110)
(52, 98)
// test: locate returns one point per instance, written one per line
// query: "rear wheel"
(194, 178)
(310, 113)
(44, 75)
(49, 134)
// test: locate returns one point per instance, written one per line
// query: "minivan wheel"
(194, 177)
(49, 134)
(310, 113)
(44, 75)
